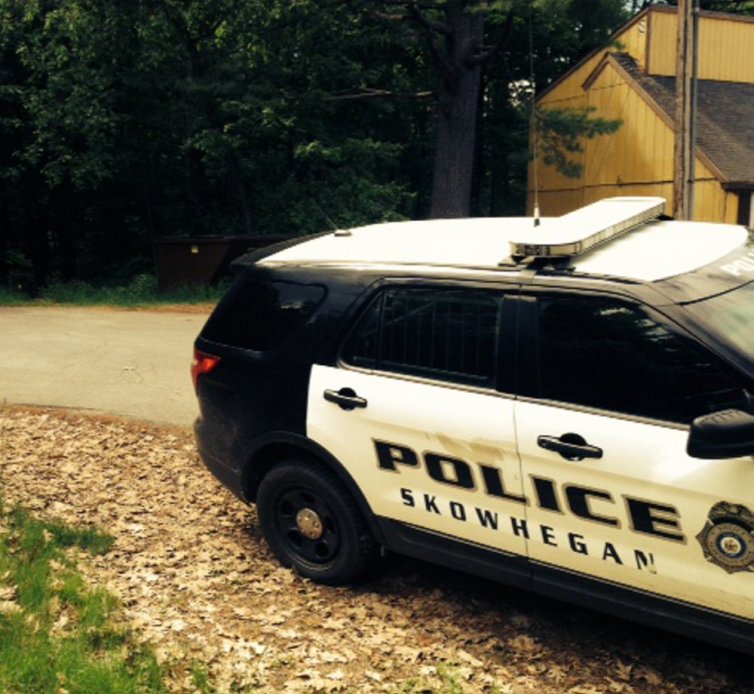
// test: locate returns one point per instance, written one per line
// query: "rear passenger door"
(417, 411)
(608, 391)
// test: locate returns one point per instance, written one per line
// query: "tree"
(561, 132)
(480, 62)
(11, 130)
(124, 122)
(64, 59)
(276, 121)
(121, 123)
(547, 37)
(454, 35)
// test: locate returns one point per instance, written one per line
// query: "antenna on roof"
(532, 119)
(336, 229)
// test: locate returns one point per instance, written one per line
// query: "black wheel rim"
(314, 542)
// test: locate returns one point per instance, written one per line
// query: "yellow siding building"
(633, 80)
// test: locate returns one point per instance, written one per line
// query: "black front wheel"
(313, 524)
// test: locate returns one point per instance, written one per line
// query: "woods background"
(125, 121)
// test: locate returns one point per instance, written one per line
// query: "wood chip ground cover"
(197, 581)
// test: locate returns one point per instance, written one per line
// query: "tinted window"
(450, 335)
(730, 317)
(613, 356)
(261, 315)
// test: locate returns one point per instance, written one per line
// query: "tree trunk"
(65, 231)
(457, 113)
(39, 251)
(4, 233)
(477, 180)
(243, 195)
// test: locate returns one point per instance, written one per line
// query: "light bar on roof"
(586, 228)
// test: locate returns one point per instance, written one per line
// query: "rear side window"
(262, 315)
(443, 334)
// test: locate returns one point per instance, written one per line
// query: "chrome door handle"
(569, 446)
(345, 398)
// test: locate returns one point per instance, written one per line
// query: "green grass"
(201, 679)
(444, 682)
(447, 679)
(141, 291)
(9, 297)
(57, 634)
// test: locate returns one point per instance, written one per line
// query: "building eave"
(611, 61)
(602, 49)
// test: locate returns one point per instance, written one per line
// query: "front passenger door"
(602, 427)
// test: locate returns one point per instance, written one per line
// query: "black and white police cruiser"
(566, 407)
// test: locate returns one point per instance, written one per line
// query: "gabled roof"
(725, 119)
(615, 38)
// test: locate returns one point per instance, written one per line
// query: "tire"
(312, 523)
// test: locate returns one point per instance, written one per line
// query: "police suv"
(566, 407)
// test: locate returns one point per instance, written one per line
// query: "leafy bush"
(140, 291)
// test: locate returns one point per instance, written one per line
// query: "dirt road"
(197, 580)
(132, 363)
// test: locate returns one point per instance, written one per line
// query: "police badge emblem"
(727, 538)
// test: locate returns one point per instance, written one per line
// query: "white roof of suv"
(650, 251)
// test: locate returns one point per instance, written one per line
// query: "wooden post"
(683, 168)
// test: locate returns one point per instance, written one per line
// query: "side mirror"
(724, 434)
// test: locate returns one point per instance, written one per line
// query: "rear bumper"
(229, 477)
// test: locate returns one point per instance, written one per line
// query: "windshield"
(730, 318)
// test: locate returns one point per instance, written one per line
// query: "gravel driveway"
(197, 580)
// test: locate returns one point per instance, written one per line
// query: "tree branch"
(415, 9)
(431, 27)
(443, 66)
(420, 5)
(370, 93)
(388, 17)
(487, 53)
(426, 22)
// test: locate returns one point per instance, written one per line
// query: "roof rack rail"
(586, 228)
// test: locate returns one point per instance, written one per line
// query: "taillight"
(203, 363)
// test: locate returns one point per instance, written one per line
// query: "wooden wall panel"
(724, 47)
(563, 93)
(642, 148)
(554, 203)
(712, 204)
(633, 40)
(636, 160)
(661, 51)
(725, 50)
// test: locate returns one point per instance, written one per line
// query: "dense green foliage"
(141, 291)
(124, 122)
